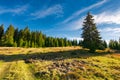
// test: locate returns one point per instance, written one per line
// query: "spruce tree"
(1, 34)
(111, 44)
(20, 38)
(26, 36)
(1, 31)
(56, 42)
(16, 37)
(65, 42)
(40, 39)
(91, 36)
(80, 42)
(74, 42)
(105, 44)
(9, 34)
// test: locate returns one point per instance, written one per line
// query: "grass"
(18, 71)
(61, 63)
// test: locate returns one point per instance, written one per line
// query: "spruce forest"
(25, 38)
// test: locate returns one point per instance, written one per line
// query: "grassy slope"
(70, 63)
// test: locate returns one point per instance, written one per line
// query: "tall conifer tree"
(90, 34)
(9, 40)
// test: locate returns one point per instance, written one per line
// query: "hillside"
(58, 63)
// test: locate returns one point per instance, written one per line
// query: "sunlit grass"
(58, 64)
(18, 71)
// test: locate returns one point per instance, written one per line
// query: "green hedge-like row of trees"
(114, 44)
(25, 38)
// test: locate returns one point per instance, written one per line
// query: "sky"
(62, 18)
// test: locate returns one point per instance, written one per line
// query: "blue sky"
(62, 18)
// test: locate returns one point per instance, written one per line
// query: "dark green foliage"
(26, 38)
(80, 43)
(74, 43)
(1, 34)
(1, 31)
(16, 37)
(113, 44)
(56, 42)
(105, 44)
(61, 42)
(91, 36)
(8, 37)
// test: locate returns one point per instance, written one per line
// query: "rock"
(53, 66)
(73, 64)
(96, 65)
(28, 60)
(83, 62)
(56, 64)
(76, 61)
(82, 68)
(64, 70)
(63, 65)
(68, 64)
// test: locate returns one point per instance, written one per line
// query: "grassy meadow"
(58, 63)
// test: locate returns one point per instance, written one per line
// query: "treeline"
(13, 37)
(103, 45)
(114, 44)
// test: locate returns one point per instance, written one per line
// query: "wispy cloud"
(108, 17)
(56, 10)
(76, 14)
(110, 33)
(71, 23)
(111, 29)
(17, 10)
(102, 18)
(74, 25)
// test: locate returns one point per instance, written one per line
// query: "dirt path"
(18, 70)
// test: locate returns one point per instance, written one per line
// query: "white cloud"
(110, 33)
(108, 17)
(74, 25)
(76, 14)
(54, 10)
(71, 23)
(111, 30)
(102, 18)
(71, 26)
(17, 10)
(75, 38)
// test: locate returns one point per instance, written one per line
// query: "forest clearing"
(60, 40)
(58, 63)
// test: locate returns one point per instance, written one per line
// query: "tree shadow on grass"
(60, 55)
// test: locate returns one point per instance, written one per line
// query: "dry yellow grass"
(18, 50)
(58, 63)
